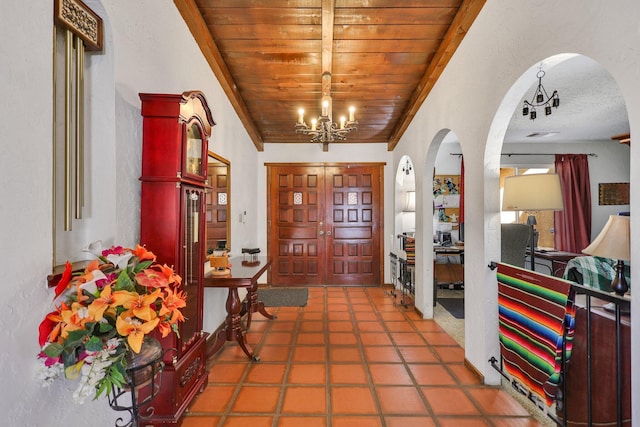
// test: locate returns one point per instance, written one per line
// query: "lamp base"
(619, 283)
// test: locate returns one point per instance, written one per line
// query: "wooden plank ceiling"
(384, 56)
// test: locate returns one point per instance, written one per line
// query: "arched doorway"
(591, 112)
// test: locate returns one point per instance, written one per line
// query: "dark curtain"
(573, 224)
(461, 217)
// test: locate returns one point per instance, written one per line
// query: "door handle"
(329, 233)
(321, 232)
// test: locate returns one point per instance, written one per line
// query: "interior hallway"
(349, 358)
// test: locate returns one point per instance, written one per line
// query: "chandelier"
(324, 129)
(540, 98)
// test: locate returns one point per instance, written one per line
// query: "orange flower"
(165, 328)
(144, 306)
(74, 318)
(142, 253)
(134, 329)
(170, 274)
(109, 299)
(172, 303)
(51, 325)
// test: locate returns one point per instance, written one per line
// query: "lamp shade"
(614, 241)
(410, 202)
(535, 192)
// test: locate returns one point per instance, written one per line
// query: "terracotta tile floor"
(350, 358)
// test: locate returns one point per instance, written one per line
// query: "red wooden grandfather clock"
(172, 225)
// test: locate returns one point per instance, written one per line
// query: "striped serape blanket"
(533, 310)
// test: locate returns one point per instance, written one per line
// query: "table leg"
(254, 305)
(232, 330)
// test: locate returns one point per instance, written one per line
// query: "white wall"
(506, 40)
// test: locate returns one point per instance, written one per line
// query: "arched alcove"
(443, 211)
(591, 112)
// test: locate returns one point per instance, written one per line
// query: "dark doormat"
(455, 306)
(284, 297)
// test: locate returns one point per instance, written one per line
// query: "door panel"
(353, 206)
(325, 224)
(294, 225)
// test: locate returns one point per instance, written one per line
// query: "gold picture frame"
(613, 193)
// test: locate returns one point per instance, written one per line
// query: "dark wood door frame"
(325, 223)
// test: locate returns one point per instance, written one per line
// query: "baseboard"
(473, 370)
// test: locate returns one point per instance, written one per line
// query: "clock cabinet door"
(193, 264)
(195, 148)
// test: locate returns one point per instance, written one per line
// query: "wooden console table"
(244, 274)
(558, 259)
(603, 369)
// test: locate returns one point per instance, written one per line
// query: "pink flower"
(115, 250)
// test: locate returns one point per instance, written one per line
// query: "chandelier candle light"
(540, 98)
(324, 129)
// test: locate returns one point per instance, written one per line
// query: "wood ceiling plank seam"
(245, 4)
(395, 15)
(259, 32)
(340, 4)
(389, 32)
(260, 16)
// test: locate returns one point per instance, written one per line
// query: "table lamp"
(534, 192)
(614, 241)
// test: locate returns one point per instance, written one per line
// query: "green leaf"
(75, 339)
(94, 344)
(104, 327)
(103, 385)
(68, 358)
(53, 350)
(124, 283)
(141, 266)
(117, 374)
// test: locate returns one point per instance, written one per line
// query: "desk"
(448, 274)
(558, 259)
(244, 274)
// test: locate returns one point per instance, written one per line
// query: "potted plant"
(102, 315)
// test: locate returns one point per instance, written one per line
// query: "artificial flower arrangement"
(104, 312)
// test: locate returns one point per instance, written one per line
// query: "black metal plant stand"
(143, 384)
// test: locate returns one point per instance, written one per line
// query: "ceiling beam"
(328, 14)
(193, 18)
(468, 12)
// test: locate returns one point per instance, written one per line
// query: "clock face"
(194, 150)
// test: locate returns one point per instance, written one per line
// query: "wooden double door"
(325, 224)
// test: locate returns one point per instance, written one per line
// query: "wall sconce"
(407, 168)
